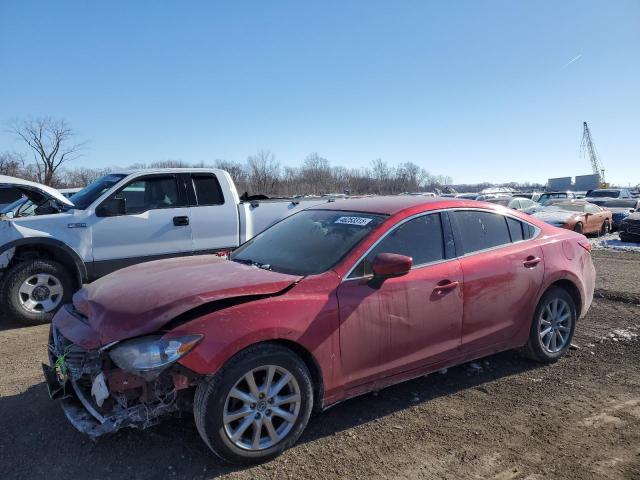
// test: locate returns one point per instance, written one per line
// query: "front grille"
(77, 360)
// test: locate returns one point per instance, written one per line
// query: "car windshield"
(309, 242)
(500, 201)
(573, 207)
(90, 193)
(605, 193)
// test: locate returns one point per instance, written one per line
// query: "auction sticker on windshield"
(361, 221)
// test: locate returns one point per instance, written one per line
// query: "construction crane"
(588, 148)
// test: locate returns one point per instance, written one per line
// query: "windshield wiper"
(264, 266)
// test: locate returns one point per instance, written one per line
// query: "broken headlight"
(147, 355)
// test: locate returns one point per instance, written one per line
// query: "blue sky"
(470, 89)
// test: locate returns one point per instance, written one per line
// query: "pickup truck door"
(213, 212)
(155, 224)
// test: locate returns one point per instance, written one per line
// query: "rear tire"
(216, 408)
(34, 290)
(627, 238)
(553, 326)
(578, 228)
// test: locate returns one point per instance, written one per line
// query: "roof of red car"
(392, 204)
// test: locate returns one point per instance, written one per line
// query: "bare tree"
(237, 172)
(170, 164)
(51, 142)
(264, 172)
(11, 164)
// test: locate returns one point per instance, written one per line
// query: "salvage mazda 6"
(333, 302)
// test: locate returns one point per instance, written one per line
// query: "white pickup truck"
(121, 219)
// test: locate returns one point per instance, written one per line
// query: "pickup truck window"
(92, 192)
(309, 242)
(151, 193)
(207, 188)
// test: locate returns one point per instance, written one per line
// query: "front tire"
(256, 406)
(33, 291)
(578, 228)
(605, 228)
(553, 326)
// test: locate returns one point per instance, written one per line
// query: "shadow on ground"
(36, 439)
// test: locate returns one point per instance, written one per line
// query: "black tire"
(578, 228)
(535, 349)
(605, 228)
(17, 275)
(627, 238)
(211, 396)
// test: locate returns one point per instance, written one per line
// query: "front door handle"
(445, 286)
(180, 221)
(531, 261)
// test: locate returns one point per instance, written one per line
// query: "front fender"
(307, 315)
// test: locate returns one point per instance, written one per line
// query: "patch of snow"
(612, 241)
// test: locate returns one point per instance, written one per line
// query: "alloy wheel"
(261, 408)
(40, 293)
(555, 325)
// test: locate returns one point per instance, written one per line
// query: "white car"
(121, 219)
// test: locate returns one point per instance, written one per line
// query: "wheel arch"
(312, 364)
(48, 248)
(572, 289)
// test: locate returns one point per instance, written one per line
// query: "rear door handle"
(531, 261)
(445, 287)
(180, 221)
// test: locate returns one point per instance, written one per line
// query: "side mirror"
(387, 265)
(112, 207)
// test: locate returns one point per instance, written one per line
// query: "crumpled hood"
(34, 191)
(141, 299)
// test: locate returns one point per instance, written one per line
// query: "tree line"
(52, 147)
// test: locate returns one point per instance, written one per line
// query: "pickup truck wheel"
(33, 291)
(256, 406)
(553, 325)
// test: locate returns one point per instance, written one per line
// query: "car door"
(502, 270)
(213, 218)
(155, 224)
(407, 321)
(594, 218)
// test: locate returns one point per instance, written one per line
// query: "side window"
(591, 209)
(420, 239)
(481, 230)
(208, 191)
(516, 229)
(151, 193)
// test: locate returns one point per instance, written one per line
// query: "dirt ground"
(509, 419)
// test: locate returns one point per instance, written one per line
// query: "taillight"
(585, 244)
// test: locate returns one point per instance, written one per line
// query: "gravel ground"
(618, 274)
(509, 419)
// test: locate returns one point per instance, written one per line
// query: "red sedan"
(328, 304)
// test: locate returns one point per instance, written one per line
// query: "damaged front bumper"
(128, 400)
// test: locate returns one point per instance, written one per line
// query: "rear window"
(481, 230)
(208, 191)
(605, 193)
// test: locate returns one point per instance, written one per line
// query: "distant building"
(559, 184)
(582, 183)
